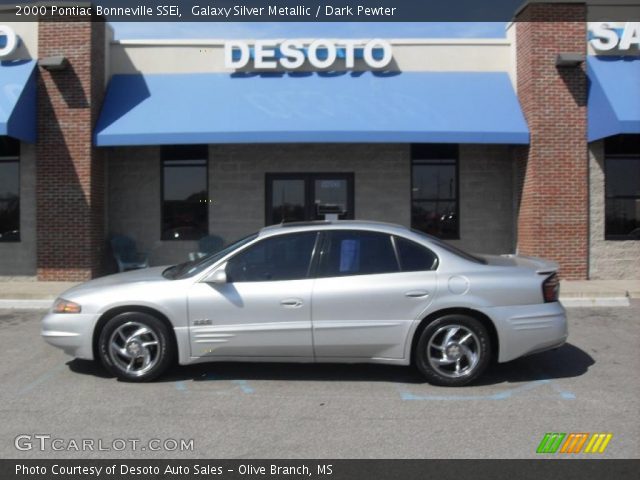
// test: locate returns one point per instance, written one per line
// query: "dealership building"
(527, 144)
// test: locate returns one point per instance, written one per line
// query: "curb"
(576, 302)
(18, 304)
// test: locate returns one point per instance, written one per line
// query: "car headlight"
(65, 306)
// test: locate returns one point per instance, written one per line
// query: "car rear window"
(450, 248)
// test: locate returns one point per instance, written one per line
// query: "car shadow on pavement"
(88, 367)
(565, 362)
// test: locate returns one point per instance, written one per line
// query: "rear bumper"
(526, 329)
(72, 332)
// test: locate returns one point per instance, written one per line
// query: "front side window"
(282, 257)
(434, 190)
(9, 190)
(357, 253)
(622, 188)
(184, 192)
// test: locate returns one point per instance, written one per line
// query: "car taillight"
(551, 288)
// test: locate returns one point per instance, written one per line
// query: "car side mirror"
(218, 276)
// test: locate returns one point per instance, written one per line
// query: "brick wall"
(237, 180)
(553, 215)
(134, 178)
(609, 259)
(237, 183)
(70, 175)
(486, 199)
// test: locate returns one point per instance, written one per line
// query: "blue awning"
(447, 107)
(614, 96)
(18, 99)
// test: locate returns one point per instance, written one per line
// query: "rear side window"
(282, 257)
(357, 253)
(414, 257)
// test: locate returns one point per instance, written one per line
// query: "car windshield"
(450, 248)
(194, 267)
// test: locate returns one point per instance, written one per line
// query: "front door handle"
(291, 302)
(416, 293)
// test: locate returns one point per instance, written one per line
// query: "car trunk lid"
(536, 264)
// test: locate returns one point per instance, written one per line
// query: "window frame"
(394, 238)
(173, 153)
(437, 155)
(324, 243)
(313, 262)
(15, 159)
(607, 197)
(309, 179)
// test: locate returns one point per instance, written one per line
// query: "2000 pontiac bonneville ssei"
(341, 291)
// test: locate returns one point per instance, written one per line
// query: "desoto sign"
(606, 36)
(8, 46)
(292, 54)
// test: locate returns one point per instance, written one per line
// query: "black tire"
(432, 338)
(128, 323)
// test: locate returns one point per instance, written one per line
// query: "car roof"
(334, 224)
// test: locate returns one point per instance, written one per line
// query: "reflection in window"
(9, 190)
(184, 193)
(434, 190)
(331, 195)
(287, 200)
(297, 197)
(622, 188)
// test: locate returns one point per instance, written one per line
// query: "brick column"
(70, 175)
(553, 220)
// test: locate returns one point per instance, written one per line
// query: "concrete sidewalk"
(582, 293)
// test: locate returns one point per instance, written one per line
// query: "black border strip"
(543, 469)
(308, 11)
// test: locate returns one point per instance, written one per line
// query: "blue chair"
(206, 246)
(127, 255)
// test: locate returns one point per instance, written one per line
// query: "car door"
(264, 307)
(366, 298)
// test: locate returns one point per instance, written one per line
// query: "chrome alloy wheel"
(453, 351)
(134, 348)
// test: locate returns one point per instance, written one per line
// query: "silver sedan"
(341, 291)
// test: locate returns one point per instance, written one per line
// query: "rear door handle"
(291, 302)
(416, 293)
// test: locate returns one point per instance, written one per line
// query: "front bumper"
(526, 329)
(72, 332)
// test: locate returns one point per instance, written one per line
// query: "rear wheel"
(453, 350)
(136, 346)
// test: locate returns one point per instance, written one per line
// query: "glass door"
(297, 197)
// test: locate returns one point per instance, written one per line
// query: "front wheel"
(136, 346)
(453, 350)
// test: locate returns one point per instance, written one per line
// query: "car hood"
(153, 274)
(539, 265)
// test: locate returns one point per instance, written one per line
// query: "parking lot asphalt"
(324, 411)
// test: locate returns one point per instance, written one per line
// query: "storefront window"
(434, 190)
(9, 190)
(185, 198)
(622, 188)
(296, 197)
